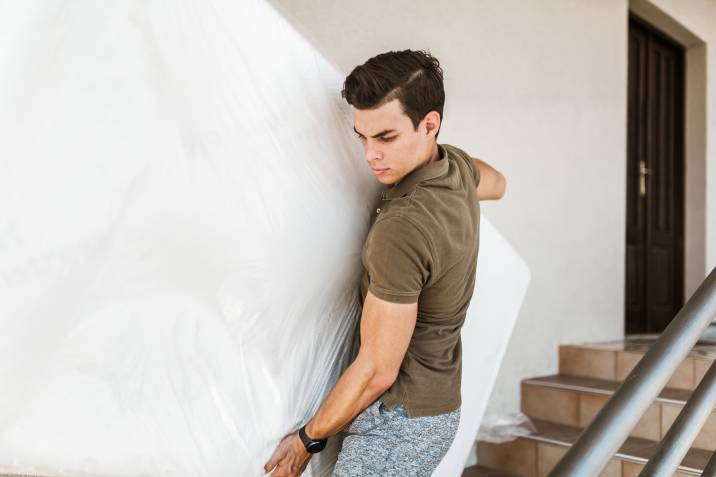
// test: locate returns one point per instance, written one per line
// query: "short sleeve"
(398, 260)
(475, 171)
(467, 159)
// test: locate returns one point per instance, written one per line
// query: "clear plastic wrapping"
(505, 427)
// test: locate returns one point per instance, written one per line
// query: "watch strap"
(311, 445)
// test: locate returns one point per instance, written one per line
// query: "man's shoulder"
(409, 213)
(463, 158)
(400, 224)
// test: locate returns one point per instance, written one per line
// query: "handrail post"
(602, 438)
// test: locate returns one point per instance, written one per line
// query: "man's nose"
(373, 154)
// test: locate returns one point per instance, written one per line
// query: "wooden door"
(655, 180)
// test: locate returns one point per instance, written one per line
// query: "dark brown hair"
(413, 77)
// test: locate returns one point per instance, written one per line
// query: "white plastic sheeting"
(182, 206)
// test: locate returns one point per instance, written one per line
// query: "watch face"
(315, 446)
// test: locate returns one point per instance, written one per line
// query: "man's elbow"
(497, 187)
(382, 380)
(377, 375)
(501, 187)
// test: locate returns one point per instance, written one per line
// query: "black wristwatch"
(312, 445)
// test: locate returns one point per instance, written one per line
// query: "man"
(400, 397)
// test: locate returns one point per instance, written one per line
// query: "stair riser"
(530, 458)
(578, 409)
(615, 365)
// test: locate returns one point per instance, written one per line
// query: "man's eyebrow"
(380, 134)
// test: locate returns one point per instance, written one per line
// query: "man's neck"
(434, 156)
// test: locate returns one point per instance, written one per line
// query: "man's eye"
(387, 139)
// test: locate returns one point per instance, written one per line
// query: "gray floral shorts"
(385, 442)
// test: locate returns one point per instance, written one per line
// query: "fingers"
(278, 454)
(268, 466)
(285, 468)
(282, 470)
(288, 460)
(278, 459)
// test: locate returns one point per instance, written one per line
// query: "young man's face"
(392, 147)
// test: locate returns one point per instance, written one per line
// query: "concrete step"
(614, 360)
(482, 471)
(575, 401)
(537, 454)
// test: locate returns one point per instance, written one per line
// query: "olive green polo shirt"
(422, 247)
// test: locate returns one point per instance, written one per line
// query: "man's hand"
(289, 459)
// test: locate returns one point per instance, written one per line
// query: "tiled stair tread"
(634, 449)
(642, 343)
(563, 435)
(482, 471)
(601, 386)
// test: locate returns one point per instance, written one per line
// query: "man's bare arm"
(386, 329)
(492, 183)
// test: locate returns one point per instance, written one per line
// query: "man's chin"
(386, 180)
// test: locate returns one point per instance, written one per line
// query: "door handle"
(643, 172)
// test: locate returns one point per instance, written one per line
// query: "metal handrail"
(612, 425)
(677, 441)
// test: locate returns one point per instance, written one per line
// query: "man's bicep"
(386, 329)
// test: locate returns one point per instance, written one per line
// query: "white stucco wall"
(537, 89)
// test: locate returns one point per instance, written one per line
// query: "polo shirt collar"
(424, 173)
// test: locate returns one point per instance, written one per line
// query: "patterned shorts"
(384, 442)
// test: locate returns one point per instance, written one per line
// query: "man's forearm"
(358, 386)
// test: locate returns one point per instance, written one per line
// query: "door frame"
(678, 164)
(694, 135)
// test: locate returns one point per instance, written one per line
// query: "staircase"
(561, 405)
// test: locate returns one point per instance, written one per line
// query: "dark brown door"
(655, 180)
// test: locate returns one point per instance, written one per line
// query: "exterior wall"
(538, 89)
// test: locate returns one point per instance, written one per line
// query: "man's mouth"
(378, 171)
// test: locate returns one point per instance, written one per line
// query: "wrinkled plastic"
(505, 428)
(182, 206)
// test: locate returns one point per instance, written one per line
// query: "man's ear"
(432, 123)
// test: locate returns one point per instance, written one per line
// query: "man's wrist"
(312, 432)
(311, 443)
